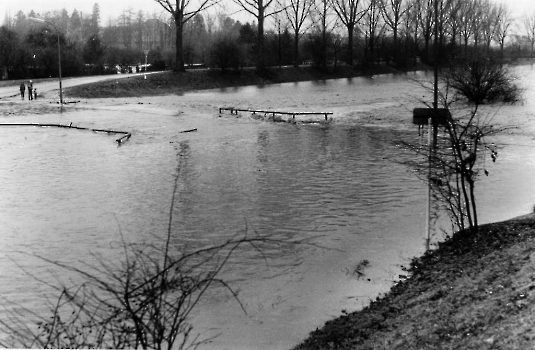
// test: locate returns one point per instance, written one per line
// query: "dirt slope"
(476, 291)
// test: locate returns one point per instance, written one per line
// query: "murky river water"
(68, 193)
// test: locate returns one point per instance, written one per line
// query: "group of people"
(32, 92)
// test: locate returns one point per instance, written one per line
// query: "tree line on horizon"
(323, 33)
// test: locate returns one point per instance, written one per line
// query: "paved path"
(44, 86)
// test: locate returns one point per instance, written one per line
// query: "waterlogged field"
(342, 186)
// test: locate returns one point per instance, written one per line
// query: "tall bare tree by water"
(259, 9)
(350, 13)
(529, 25)
(410, 27)
(393, 12)
(453, 21)
(297, 12)
(503, 26)
(182, 11)
(480, 8)
(426, 17)
(325, 20)
(466, 28)
(490, 22)
(374, 28)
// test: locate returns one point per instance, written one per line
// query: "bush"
(482, 80)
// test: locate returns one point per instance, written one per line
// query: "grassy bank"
(192, 80)
(476, 291)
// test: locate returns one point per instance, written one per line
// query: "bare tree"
(453, 167)
(480, 8)
(427, 22)
(182, 11)
(504, 22)
(324, 21)
(260, 9)
(529, 25)
(281, 27)
(454, 21)
(297, 12)
(139, 28)
(444, 10)
(410, 26)
(350, 14)
(490, 23)
(467, 13)
(393, 12)
(374, 28)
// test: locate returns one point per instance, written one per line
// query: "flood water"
(67, 194)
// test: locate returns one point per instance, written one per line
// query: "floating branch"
(70, 126)
(190, 130)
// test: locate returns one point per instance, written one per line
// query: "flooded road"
(68, 193)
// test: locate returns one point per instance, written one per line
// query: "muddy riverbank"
(476, 291)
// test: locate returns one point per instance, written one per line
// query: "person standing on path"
(30, 90)
(22, 88)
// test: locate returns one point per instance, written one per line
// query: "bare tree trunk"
(179, 54)
(296, 48)
(350, 29)
(260, 59)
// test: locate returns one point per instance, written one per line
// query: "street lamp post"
(146, 54)
(59, 57)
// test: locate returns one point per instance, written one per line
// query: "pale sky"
(113, 8)
(108, 8)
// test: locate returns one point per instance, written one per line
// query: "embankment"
(476, 291)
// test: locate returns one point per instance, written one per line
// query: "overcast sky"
(113, 8)
(109, 8)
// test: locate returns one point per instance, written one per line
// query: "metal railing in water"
(273, 113)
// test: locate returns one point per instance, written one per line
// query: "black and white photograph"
(267, 174)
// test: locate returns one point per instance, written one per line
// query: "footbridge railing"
(233, 110)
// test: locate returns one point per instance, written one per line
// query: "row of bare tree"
(398, 29)
(477, 23)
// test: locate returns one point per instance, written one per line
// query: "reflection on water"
(65, 195)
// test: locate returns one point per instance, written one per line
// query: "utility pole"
(432, 124)
(435, 85)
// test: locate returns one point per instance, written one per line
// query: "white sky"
(108, 8)
(113, 8)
